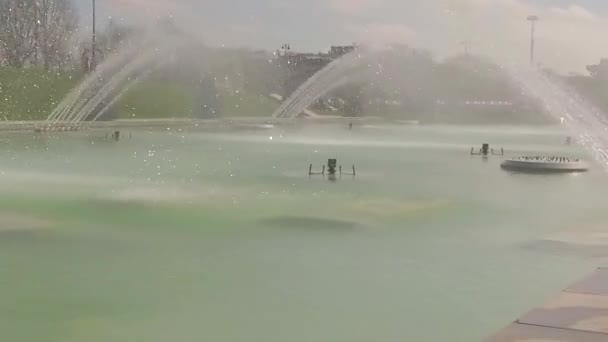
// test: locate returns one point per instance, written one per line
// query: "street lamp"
(93, 42)
(466, 45)
(286, 48)
(532, 19)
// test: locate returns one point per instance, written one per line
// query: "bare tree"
(17, 31)
(113, 37)
(55, 25)
(35, 29)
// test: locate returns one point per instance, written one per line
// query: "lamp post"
(467, 46)
(93, 47)
(532, 19)
(286, 64)
(286, 48)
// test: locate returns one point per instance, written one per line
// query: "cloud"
(351, 7)
(568, 37)
(574, 12)
(382, 35)
(143, 8)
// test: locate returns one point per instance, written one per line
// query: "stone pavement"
(578, 314)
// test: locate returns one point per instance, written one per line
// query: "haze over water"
(221, 235)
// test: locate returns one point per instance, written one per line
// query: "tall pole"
(287, 67)
(532, 19)
(93, 47)
(466, 45)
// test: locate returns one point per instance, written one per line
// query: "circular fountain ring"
(545, 165)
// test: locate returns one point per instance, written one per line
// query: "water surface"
(221, 235)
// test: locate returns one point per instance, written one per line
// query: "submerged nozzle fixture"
(332, 169)
(485, 151)
(331, 166)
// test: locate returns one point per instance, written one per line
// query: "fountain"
(561, 102)
(199, 196)
(119, 73)
(78, 96)
(343, 70)
(112, 79)
(545, 165)
(565, 105)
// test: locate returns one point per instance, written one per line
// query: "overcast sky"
(570, 34)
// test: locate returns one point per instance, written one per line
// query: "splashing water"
(79, 95)
(562, 102)
(343, 70)
(95, 95)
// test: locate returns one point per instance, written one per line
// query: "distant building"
(339, 51)
(298, 67)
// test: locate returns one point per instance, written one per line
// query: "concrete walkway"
(578, 314)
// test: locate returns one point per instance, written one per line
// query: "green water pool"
(199, 235)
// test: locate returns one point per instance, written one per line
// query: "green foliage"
(160, 99)
(409, 86)
(154, 98)
(242, 105)
(31, 94)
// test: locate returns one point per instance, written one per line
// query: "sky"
(570, 34)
